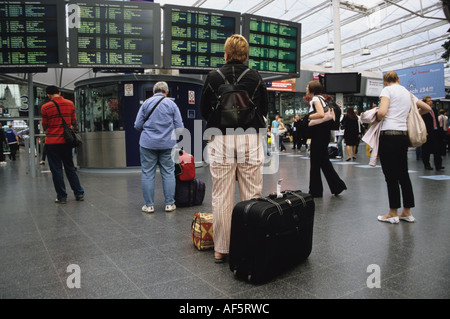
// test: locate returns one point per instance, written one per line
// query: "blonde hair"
(236, 48)
(391, 77)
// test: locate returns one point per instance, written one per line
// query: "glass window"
(98, 108)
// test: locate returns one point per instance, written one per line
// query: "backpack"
(234, 106)
(185, 169)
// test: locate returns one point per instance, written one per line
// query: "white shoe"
(392, 220)
(170, 208)
(148, 209)
(409, 219)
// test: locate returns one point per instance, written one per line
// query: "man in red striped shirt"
(58, 152)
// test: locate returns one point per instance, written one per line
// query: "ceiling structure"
(398, 34)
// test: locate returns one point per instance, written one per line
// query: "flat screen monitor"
(274, 44)
(194, 38)
(342, 83)
(116, 34)
(32, 34)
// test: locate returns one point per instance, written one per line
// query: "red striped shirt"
(53, 121)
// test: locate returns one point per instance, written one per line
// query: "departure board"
(116, 34)
(32, 34)
(194, 38)
(274, 44)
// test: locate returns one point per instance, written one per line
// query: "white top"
(311, 103)
(399, 106)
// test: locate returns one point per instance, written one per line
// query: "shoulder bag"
(417, 131)
(329, 114)
(72, 137)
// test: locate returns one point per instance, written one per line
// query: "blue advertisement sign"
(424, 80)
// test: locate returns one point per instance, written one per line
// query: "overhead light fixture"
(365, 51)
(328, 65)
(330, 46)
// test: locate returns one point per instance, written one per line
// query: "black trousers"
(432, 146)
(320, 161)
(393, 153)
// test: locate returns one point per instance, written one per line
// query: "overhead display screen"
(115, 34)
(274, 44)
(195, 38)
(32, 34)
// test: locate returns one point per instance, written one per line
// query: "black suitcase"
(189, 193)
(270, 235)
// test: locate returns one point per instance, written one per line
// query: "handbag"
(72, 137)
(329, 114)
(417, 130)
(202, 231)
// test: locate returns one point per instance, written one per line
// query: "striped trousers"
(232, 156)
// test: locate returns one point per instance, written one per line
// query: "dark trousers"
(2, 157)
(13, 148)
(393, 153)
(320, 138)
(432, 146)
(60, 155)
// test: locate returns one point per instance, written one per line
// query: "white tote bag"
(417, 131)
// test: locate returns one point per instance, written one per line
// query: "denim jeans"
(59, 155)
(149, 160)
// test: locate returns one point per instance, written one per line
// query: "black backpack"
(234, 106)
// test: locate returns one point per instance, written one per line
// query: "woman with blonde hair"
(231, 154)
(395, 104)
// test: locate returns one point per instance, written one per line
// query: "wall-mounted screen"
(116, 34)
(274, 44)
(32, 34)
(342, 82)
(194, 38)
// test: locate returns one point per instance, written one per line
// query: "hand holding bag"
(329, 114)
(417, 131)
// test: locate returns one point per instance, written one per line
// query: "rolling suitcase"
(189, 193)
(269, 235)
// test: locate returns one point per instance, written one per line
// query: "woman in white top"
(395, 103)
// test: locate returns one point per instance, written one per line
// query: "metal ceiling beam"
(259, 6)
(417, 14)
(311, 11)
(411, 58)
(351, 19)
(397, 52)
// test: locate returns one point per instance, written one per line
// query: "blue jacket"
(156, 132)
(11, 136)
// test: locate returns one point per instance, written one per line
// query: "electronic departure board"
(116, 34)
(194, 38)
(274, 44)
(32, 34)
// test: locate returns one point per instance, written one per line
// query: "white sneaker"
(170, 208)
(148, 209)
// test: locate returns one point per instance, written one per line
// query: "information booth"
(106, 111)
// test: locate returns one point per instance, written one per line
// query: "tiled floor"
(124, 253)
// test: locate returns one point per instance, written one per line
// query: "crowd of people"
(159, 116)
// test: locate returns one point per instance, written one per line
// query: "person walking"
(157, 119)
(59, 154)
(232, 154)
(320, 138)
(395, 104)
(12, 140)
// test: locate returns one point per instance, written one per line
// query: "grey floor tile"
(124, 253)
